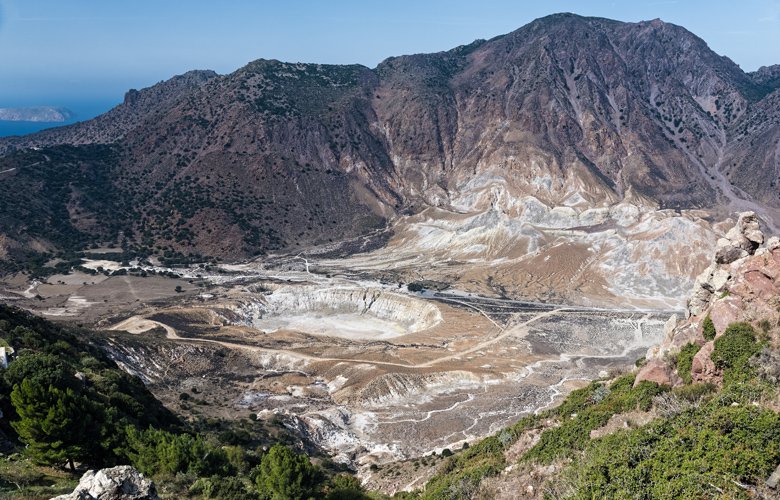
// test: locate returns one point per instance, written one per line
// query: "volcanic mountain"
(582, 143)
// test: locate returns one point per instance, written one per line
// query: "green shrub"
(237, 457)
(708, 328)
(218, 487)
(641, 397)
(767, 365)
(283, 474)
(155, 451)
(685, 361)
(54, 423)
(595, 404)
(463, 472)
(345, 487)
(578, 399)
(701, 453)
(572, 435)
(694, 392)
(735, 347)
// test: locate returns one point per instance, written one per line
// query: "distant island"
(36, 114)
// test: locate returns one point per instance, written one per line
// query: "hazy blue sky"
(62, 51)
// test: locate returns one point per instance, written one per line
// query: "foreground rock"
(117, 483)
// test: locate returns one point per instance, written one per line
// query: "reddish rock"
(761, 285)
(771, 266)
(703, 368)
(686, 334)
(659, 372)
(727, 311)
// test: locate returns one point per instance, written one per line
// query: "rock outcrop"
(703, 369)
(741, 285)
(658, 371)
(741, 241)
(117, 483)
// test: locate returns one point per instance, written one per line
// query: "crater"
(348, 312)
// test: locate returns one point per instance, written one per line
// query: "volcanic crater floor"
(428, 371)
(350, 360)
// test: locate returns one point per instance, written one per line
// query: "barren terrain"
(352, 360)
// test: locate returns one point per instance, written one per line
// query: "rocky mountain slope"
(563, 116)
(138, 107)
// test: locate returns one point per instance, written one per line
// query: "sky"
(89, 52)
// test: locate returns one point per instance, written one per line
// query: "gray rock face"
(742, 240)
(712, 280)
(729, 254)
(117, 483)
(750, 229)
(774, 479)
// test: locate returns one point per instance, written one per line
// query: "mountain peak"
(627, 109)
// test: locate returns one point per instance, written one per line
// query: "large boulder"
(727, 311)
(741, 240)
(712, 280)
(658, 371)
(750, 229)
(729, 254)
(703, 369)
(117, 483)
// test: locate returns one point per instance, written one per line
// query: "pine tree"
(283, 475)
(53, 422)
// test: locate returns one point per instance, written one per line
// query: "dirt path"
(519, 328)
(138, 324)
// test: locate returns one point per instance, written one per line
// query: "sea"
(82, 111)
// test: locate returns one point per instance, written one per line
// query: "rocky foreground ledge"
(742, 284)
(117, 483)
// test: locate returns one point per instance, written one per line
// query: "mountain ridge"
(573, 112)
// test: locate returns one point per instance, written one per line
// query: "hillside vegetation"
(694, 441)
(67, 407)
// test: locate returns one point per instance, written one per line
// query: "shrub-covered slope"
(67, 407)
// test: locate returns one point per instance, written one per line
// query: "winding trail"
(514, 330)
(305, 261)
(138, 324)
(30, 293)
(429, 414)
